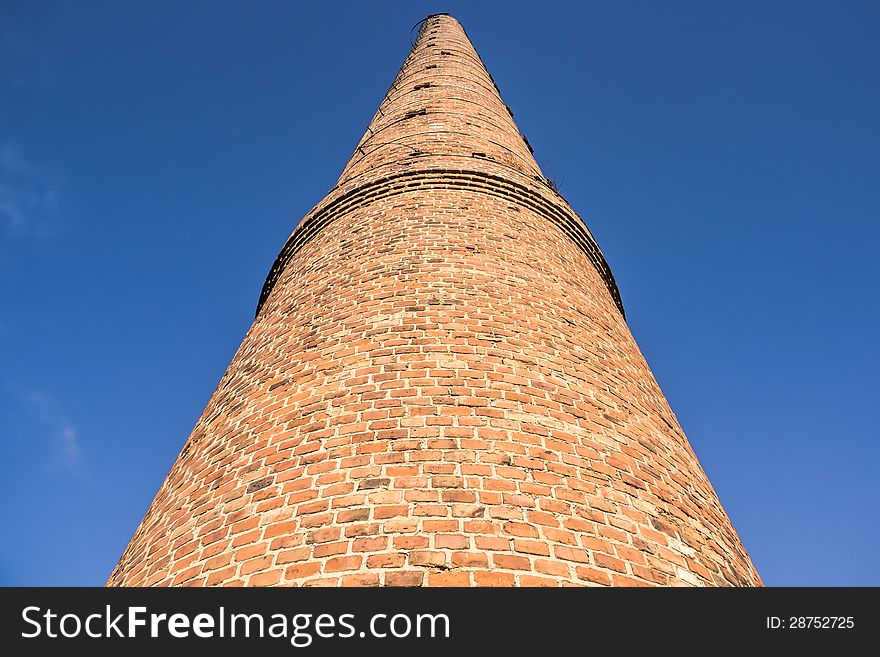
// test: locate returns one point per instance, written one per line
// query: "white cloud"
(64, 452)
(29, 197)
(66, 447)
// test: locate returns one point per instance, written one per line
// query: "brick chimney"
(439, 387)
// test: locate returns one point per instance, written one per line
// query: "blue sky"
(154, 156)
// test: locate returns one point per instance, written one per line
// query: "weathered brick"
(395, 560)
(449, 578)
(531, 547)
(343, 563)
(404, 578)
(611, 563)
(300, 571)
(427, 558)
(265, 579)
(452, 541)
(485, 578)
(593, 575)
(511, 562)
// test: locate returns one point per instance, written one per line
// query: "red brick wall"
(439, 388)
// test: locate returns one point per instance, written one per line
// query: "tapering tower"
(439, 387)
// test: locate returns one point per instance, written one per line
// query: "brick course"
(439, 388)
